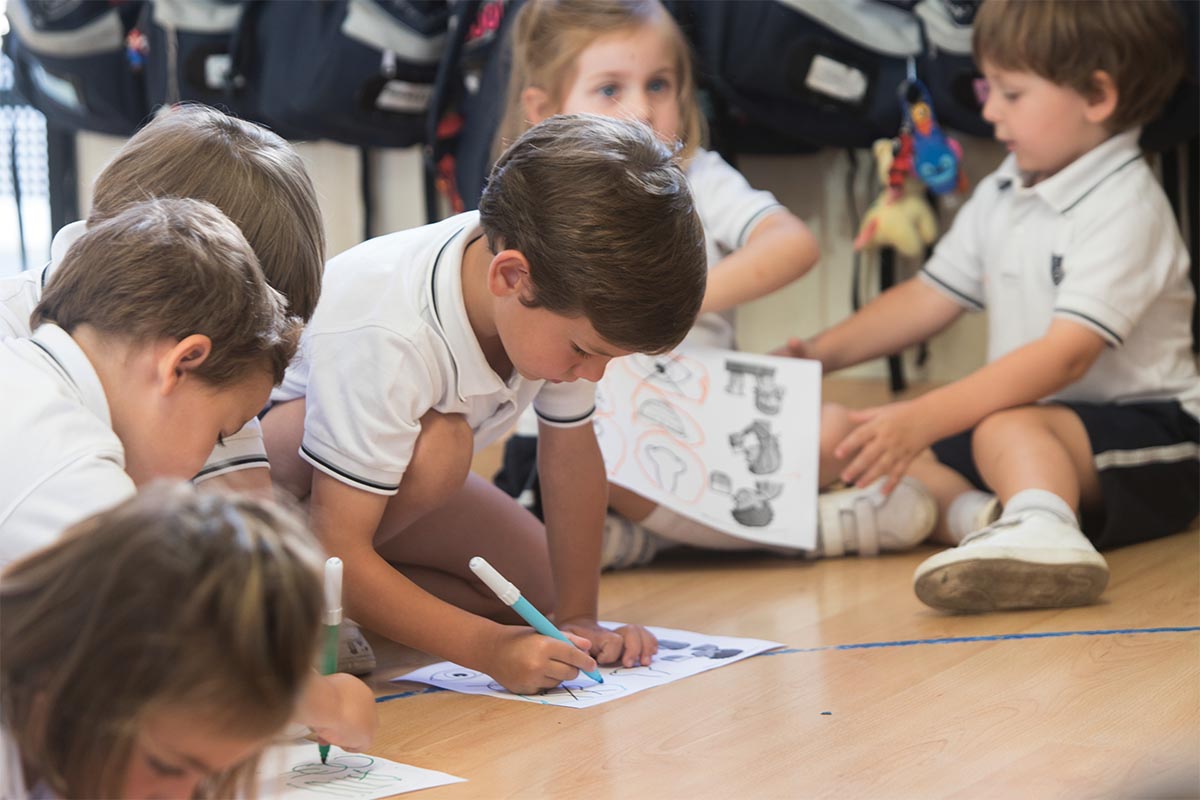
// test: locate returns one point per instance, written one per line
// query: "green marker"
(333, 621)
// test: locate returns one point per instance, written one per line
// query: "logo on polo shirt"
(1056, 270)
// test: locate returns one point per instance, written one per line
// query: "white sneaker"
(864, 521)
(355, 654)
(1029, 561)
(626, 544)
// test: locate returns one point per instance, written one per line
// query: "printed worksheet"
(295, 772)
(681, 654)
(726, 438)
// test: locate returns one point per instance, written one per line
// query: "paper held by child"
(726, 438)
(680, 655)
(295, 772)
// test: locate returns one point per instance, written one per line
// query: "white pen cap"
(507, 593)
(333, 591)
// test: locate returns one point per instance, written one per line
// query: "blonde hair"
(170, 268)
(1138, 43)
(550, 35)
(255, 177)
(603, 213)
(172, 600)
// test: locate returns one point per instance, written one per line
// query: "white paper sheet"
(726, 438)
(295, 772)
(680, 655)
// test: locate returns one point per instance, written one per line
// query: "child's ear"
(508, 274)
(1102, 101)
(536, 104)
(182, 358)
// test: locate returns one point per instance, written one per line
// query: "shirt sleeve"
(565, 405)
(367, 391)
(1116, 266)
(243, 450)
(19, 295)
(728, 205)
(957, 266)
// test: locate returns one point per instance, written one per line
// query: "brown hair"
(256, 178)
(602, 211)
(1139, 44)
(171, 268)
(549, 36)
(174, 600)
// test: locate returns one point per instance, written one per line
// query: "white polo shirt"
(1096, 244)
(62, 462)
(390, 340)
(20, 294)
(729, 208)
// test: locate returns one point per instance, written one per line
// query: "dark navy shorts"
(1147, 456)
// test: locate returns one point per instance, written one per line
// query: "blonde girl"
(628, 58)
(156, 648)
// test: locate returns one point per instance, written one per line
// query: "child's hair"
(550, 35)
(256, 178)
(170, 268)
(602, 211)
(1139, 44)
(207, 604)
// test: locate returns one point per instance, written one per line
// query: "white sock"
(964, 510)
(1039, 501)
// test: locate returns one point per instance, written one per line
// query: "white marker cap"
(507, 593)
(333, 591)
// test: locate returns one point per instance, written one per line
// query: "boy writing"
(428, 343)
(1084, 421)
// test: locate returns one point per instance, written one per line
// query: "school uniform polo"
(62, 461)
(20, 294)
(729, 209)
(391, 340)
(1096, 244)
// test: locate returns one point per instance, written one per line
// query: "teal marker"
(333, 621)
(511, 596)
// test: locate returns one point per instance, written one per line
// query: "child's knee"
(1002, 426)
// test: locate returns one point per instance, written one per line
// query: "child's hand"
(632, 645)
(885, 442)
(794, 347)
(524, 661)
(340, 709)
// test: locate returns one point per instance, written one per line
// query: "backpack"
(79, 63)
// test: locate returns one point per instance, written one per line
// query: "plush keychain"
(900, 217)
(936, 157)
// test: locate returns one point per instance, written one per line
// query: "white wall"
(812, 186)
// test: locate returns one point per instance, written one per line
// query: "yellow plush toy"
(900, 217)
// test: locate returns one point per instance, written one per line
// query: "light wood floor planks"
(1111, 714)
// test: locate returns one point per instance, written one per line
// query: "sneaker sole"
(1003, 582)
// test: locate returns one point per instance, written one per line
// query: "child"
(628, 59)
(157, 337)
(427, 344)
(256, 179)
(1086, 414)
(156, 648)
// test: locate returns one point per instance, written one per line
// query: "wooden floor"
(867, 700)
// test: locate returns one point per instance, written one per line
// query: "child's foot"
(1026, 561)
(865, 521)
(626, 544)
(355, 654)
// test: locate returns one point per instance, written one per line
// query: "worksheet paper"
(681, 654)
(726, 438)
(295, 772)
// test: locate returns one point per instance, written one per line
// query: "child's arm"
(891, 435)
(908, 313)
(574, 499)
(779, 250)
(378, 596)
(340, 710)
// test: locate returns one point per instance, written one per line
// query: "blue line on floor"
(999, 637)
(383, 698)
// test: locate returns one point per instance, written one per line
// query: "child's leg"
(283, 430)
(946, 485)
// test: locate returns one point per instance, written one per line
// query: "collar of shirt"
(475, 375)
(1063, 190)
(67, 356)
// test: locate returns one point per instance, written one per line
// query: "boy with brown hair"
(428, 343)
(255, 178)
(1086, 414)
